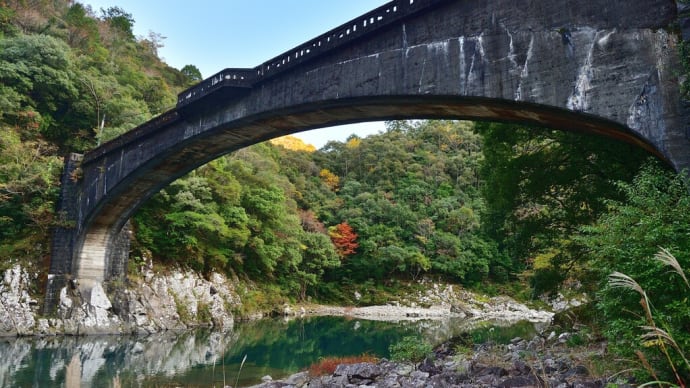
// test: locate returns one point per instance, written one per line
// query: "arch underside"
(151, 176)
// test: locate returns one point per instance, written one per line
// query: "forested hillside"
(493, 206)
(70, 79)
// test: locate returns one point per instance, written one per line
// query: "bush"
(410, 349)
(203, 314)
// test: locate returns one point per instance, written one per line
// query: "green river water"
(204, 358)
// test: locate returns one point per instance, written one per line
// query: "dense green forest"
(495, 207)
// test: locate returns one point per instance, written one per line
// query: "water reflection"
(202, 358)
(98, 361)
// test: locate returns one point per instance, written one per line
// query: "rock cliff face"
(153, 303)
(17, 308)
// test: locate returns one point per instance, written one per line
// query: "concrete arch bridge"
(608, 67)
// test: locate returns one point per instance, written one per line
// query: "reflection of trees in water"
(298, 343)
(271, 347)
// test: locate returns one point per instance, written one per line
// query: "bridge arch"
(602, 67)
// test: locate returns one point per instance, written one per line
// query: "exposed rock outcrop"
(179, 300)
(17, 307)
(148, 304)
(441, 301)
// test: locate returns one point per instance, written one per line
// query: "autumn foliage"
(344, 239)
(326, 366)
(331, 180)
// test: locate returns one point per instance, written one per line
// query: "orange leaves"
(344, 239)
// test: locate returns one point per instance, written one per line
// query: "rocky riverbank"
(436, 301)
(494, 309)
(179, 300)
(151, 303)
(543, 361)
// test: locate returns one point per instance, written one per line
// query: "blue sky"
(215, 34)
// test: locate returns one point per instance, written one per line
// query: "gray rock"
(148, 306)
(520, 381)
(298, 379)
(18, 309)
(563, 338)
(363, 370)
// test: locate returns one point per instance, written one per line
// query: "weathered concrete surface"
(608, 67)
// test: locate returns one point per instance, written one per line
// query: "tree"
(62, 71)
(192, 73)
(153, 42)
(82, 29)
(331, 180)
(407, 189)
(40, 70)
(120, 20)
(29, 174)
(318, 255)
(344, 239)
(626, 239)
(542, 185)
(6, 27)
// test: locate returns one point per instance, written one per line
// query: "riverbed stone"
(298, 379)
(552, 365)
(362, 370)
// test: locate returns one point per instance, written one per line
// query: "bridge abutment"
(109, 255)
(65, 234)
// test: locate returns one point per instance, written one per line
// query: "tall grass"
(654, 334)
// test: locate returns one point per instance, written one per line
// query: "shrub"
(203, 313)
(410, 349)
(181, 307)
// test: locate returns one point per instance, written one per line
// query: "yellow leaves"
(293, 143)
(329, 179)
(353, 142)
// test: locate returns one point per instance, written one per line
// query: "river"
(204, 358)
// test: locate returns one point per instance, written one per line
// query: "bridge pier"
(64, 270)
